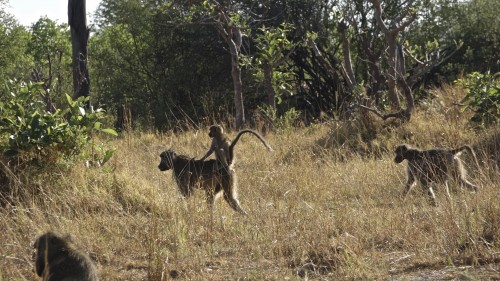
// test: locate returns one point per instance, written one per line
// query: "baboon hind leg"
(468, 184)
(461, 174)
(230, 186)
(234, 203)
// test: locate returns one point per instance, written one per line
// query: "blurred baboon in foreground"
(434, 166)
(223, 147)
(57, 259)
(190, 173)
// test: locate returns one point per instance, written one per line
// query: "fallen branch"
(402, 114)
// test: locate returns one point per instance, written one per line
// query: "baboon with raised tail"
(207, 175)
(224, 147)
(432, 166)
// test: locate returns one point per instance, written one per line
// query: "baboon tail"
(471, 151)
(240, 133)
(462, 148)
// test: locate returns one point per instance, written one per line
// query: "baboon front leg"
(447, 190)
(185, 184)
(409, 183)
(428, 187)
(211, 194)
(210, 197)
(430, 191)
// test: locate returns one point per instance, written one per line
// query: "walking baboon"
(190, 173)
(223, 147)
(434, 166)
(57, 259)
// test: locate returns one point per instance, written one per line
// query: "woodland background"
(166, 63)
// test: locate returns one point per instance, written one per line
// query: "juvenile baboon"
(57, 259)
(190, 173)
(223, 147)
(434, 166)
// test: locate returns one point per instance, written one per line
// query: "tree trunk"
(268, 85)
(77, 20)
(391, 72)
(232, 36)
(373, 59)
(238, 93)
(391, 34)
(346, 51)
(396, 71)
(234, 43)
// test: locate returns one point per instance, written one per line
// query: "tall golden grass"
(326, 204)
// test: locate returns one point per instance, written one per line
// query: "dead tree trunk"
(346, 51)
(233, 39)
(77, 20)
(391, 34)
(373, 59)
(396, 71)
(404, 114)
(232, 36)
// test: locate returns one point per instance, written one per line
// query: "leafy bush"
(27, 129)
(483, 96)
(284, 122)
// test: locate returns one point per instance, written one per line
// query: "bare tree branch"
(378, 16)
(323, 61)
(347, 55)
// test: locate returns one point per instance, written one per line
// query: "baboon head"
(58, 258)
(215, 130)
(400, 153)
(49, 246)
(167, 158)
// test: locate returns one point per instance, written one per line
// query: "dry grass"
(325, 205)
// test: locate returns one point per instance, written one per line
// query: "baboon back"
(57, 259)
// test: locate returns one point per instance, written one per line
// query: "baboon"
(223, 147)
(190, 173)
(434, 166)
(57, 259)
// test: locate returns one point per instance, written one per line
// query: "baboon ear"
(69, 238)
(52, 240)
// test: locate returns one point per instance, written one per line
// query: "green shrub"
(28, 130)
(284, 122)
(483, 96)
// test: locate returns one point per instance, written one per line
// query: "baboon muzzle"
(163, 167)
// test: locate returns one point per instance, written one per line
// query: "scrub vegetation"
(326, 204)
